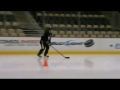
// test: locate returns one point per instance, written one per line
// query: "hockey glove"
(47, 42)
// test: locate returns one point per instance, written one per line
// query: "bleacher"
(65, 24)
(86, 24)
(9, 26)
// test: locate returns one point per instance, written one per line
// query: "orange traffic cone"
(45, 63)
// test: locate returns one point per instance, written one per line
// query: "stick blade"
(67, 57)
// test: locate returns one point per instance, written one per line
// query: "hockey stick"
(60, 53)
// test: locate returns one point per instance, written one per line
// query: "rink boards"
(30, 45)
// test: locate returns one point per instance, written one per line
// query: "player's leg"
(46, 50)
(42, 49)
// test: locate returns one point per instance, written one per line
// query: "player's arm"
(47, 38)
(50, 35)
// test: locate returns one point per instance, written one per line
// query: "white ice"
(78, 66)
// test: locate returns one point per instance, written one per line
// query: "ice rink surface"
(78, 66)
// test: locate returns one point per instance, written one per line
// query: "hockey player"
(45, 42)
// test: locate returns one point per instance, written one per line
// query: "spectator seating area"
(73, 24)
(9, 25)
(76, 25)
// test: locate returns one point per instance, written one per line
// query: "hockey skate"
(46, 56)
(39, 55)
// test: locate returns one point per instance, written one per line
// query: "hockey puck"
(89, 43)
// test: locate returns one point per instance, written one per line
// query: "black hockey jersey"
(46, 37)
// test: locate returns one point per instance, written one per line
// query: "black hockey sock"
(46, 52)
(40, 52)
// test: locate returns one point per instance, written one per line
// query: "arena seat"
(8, 25)
(83, 24)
